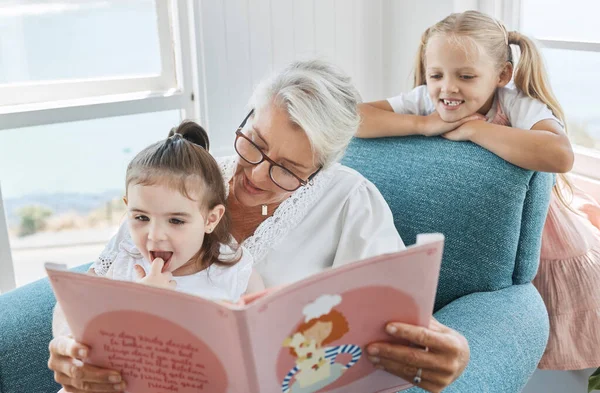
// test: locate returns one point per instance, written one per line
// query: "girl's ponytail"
(531, 78)
(419, 78)
(530, 74)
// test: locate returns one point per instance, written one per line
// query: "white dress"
(218, 282)
(340, 218)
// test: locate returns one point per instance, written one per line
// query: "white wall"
(404, 22)
(374, 41)
(246, 40)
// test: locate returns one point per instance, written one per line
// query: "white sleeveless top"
(217, 282)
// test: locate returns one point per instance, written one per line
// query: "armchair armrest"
(507, 331)
(25, 332)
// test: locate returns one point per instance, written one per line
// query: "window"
(568, 35)
(84, 85)
(100, 58)
(570, 39)
(65, 200)
(78, 40)
(571, 74)
(65, 50)
(575, 21)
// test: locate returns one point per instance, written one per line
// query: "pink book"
(306, 337)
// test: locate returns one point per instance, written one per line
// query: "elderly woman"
(298, 211)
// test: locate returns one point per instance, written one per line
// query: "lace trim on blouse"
(269, 233)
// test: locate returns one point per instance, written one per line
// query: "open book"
(305, 337)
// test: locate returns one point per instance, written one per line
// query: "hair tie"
(175, 137)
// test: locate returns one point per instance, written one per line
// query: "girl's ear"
(125, 200)
(505, 75)
(213, 217)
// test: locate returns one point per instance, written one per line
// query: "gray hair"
(320, 99)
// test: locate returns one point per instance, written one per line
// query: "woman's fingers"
(439, 351)
(65, 366)
(81, 386)
(410, 356)
(430, 381)
(67, 346)
(437, 341)
(76, 376)
(71, 389)
(405, 362)
(77, 370)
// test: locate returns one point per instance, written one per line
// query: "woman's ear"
(505, 75)
(125, 200)
(213, 217)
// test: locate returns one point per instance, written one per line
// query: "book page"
(161, 340)
(311, 336)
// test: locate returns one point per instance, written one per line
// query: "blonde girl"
(463, 92)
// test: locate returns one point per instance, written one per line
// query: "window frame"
(509, 11)
(181, 87)
(7, 271)
(24, 93)
(66, 101)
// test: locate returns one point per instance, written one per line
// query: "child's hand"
(156, 278)
(434, 125)
(464, 132)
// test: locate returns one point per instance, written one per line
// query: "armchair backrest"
(491, 212)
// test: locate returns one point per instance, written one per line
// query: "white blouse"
(340, 218)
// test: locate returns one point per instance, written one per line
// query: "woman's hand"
(66, 357)
(434, 125)
(442, 363)
(156, 277)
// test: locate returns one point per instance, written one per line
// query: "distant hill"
(60, 202)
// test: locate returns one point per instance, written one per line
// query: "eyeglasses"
(252, 154)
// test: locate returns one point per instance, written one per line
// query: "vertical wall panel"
(345, 35)
(216, 72)
(304, 28)
(239, 67)
(261, 53)
(325, 29)
(244, 40)
(368, 56)
(282, 32)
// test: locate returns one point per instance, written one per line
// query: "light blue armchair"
(492, 214)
